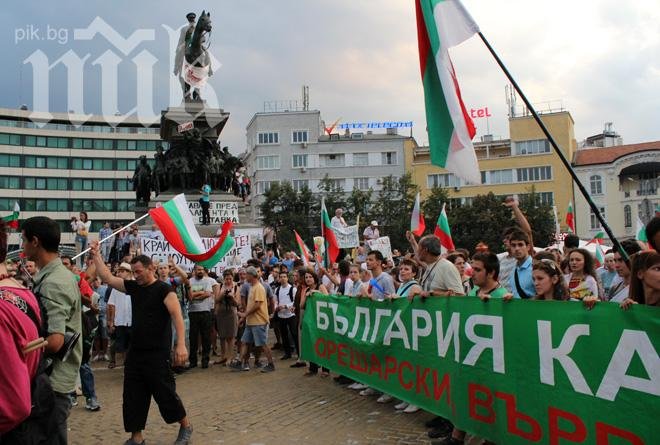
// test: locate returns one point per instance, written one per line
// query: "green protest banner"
(514, 372)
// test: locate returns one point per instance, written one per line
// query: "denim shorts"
(257, 334)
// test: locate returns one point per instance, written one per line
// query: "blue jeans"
(87, 381)
(81, 244)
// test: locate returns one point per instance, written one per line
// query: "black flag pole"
(563, 159)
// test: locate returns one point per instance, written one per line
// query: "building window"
(299, 161)
(7, 160)
(9, 182)
(532, 147)
(534, 174)
(500, 176)
(595, 224)
(299, 136)
(126, 164)
(10, 139)
(596, 184)
(627, 216)
(443, 180)
(268, 162)
(271, 138)
(336, 184)
(389, 158)
(360, 183)
(264, 186)
(360, 159)
(299, 184)
(542, 198)
(332, 160)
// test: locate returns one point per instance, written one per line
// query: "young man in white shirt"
(284, 298)
(201, 296)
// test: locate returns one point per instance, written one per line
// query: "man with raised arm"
(147, 370)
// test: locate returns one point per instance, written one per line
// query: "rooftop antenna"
(510, 94)
(305, 97)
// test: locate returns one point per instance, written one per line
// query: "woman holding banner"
(548, 281)
(313, 286)
(581, 281)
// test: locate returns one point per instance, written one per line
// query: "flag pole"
(113, 234)
(563, 159)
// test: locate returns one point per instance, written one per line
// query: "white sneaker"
(368, 392)
(411, 409)
(358, 386)
(401, 406)
(385, 398)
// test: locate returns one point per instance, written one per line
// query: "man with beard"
(201, 296)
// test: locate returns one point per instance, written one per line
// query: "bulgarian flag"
(304, 251)
(443, 231)
(640, 231)
(442, 24)
(176, 223)
(600, 256)
(570, 217)
(12, 220)
(331, 244)
(598, 239)
(417, 224)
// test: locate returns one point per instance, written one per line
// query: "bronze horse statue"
(197, 56)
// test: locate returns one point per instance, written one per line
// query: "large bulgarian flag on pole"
(176, 223)
(12, 220)
(330, 240)
(442, 24)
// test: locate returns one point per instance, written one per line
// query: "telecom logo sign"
(118, 52)
(372, 125)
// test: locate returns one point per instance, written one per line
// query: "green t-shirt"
(61, 299)
(497, 293)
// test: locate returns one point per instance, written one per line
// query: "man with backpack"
(58, 291)
(284, 298)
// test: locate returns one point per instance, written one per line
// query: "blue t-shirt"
(206, 192)
(524, 278)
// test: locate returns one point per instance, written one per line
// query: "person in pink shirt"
(16, 330)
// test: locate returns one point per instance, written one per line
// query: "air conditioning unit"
(457, 189)
(303, 170)
(304, 145)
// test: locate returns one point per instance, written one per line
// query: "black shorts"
(122, 338)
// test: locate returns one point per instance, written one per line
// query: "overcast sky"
(598, 59)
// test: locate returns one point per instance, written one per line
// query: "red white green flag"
(570, 217)
(304, 251)
(442, 24)
(598, 239)
(176, 223)
(600, 256)
(417, 224)
(12, 220)
(443, 231)
(640, 232)
(330, 240)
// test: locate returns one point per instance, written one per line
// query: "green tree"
(393, 206)
(540, 216)
(481, 221)
(288, 210)
(334, 195)
(359, 202)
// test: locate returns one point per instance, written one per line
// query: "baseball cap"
(374, 223)
(251, 270)
(125, 266)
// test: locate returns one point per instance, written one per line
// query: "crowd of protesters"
(198, 319)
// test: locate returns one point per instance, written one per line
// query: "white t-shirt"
(337, 222)
(285, 297)
(328, 284)
(205, 284)
(123, 308)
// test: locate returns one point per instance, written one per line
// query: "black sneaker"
(205, 365)
(285, 357)
(435, 422)
(268, 368)
(441, 431)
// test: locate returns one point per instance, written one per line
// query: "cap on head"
(125, 266)
(374, 223)
(251, 270)
(191, 16)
